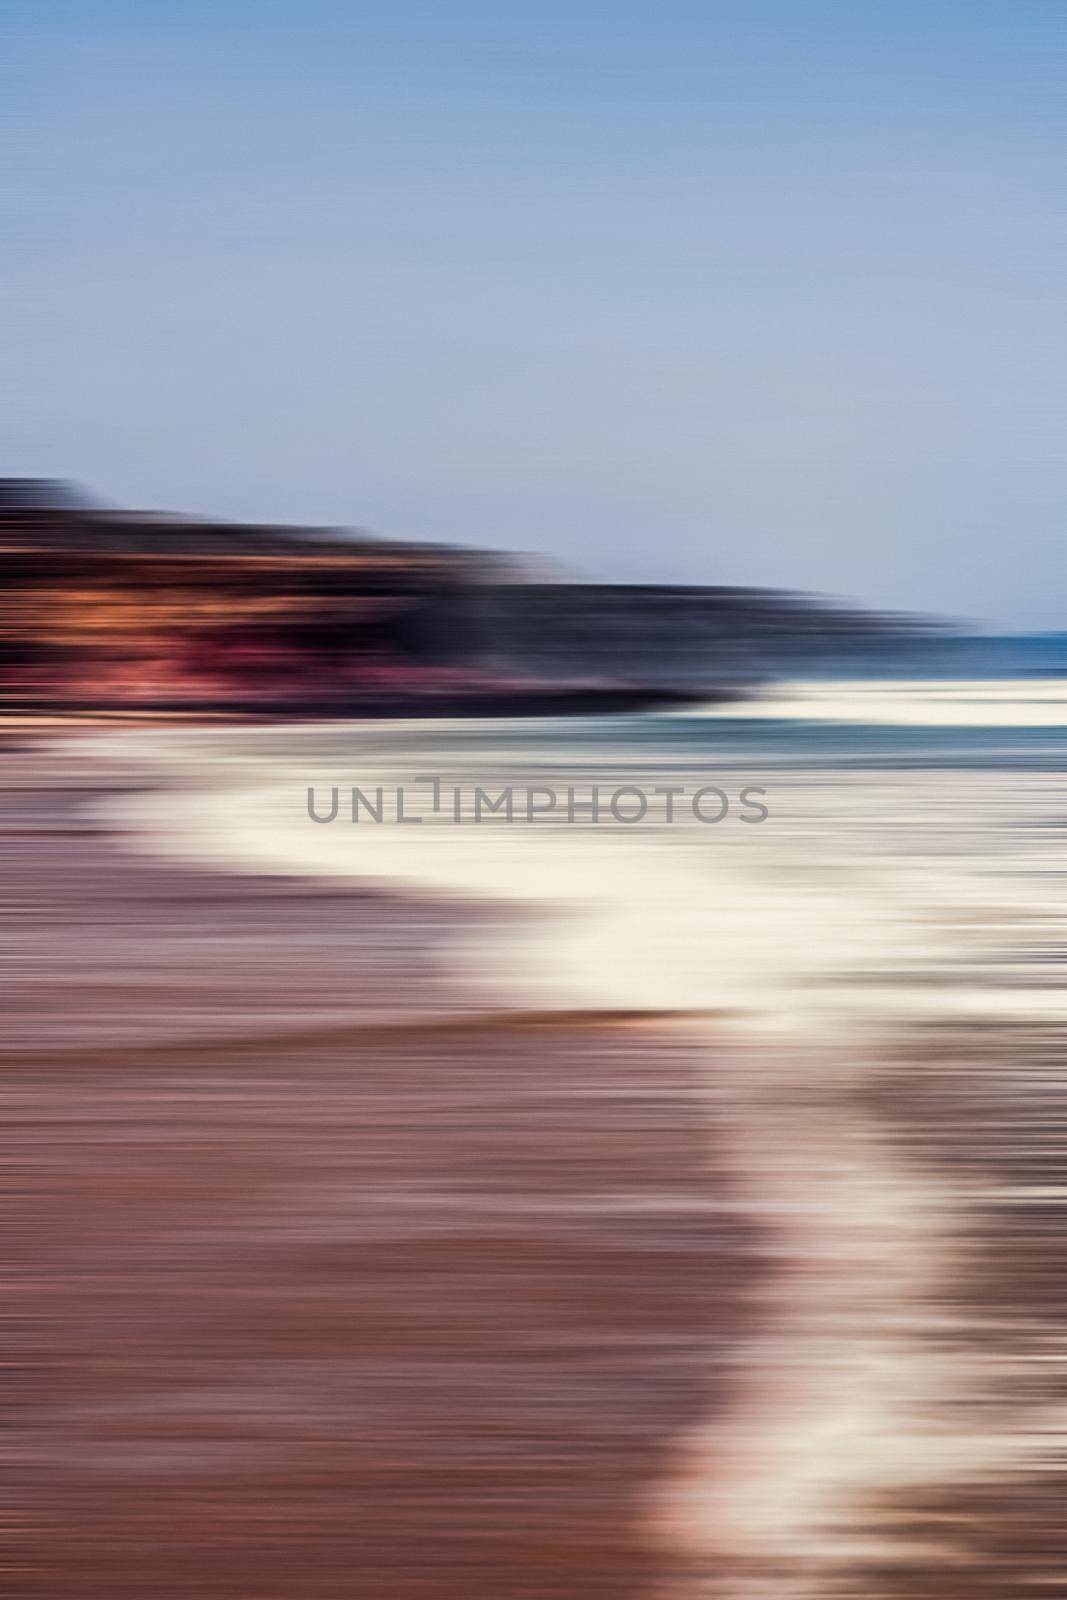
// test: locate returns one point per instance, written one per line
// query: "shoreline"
(590, 905)
(800, 1481)
(407, 1305)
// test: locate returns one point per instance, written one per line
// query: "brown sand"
(321, 1284)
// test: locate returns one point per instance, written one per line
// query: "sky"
(704, 291)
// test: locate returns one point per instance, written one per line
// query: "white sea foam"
(976, 703)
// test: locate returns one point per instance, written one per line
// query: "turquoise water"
(709, 743)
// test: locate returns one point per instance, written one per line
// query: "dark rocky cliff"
(107, 608)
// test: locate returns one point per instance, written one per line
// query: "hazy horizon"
(761, 293)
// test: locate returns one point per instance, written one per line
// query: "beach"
(533, 803)
(562, 1209)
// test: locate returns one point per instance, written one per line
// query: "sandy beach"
(547, 1212)
(324, 1280)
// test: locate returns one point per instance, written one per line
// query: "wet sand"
(352, 1264)
(323, 1281)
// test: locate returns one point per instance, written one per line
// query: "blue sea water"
(690, 740)
(711, 744)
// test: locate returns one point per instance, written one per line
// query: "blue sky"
(767, 291)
